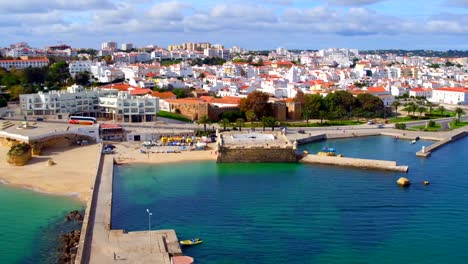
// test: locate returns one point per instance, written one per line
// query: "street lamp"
(149, 228)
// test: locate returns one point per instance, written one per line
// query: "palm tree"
(250, 116)
(204, 120)
(441, 109)
(396, 104)
(269, 121)
(430, 106)
(407, 109)
(240, 123)
(421, 109)
(224, 122)
(459, 111)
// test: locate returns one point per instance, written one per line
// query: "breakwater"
(426, 152)
(353, 162)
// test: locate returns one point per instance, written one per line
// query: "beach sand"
(72, 175)
(128, 152)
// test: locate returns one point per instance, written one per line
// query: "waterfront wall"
(84, 246)
(265, 154)
(353, 162)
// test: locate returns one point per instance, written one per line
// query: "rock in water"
(403, 182)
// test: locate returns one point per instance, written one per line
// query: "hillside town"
(127, 84)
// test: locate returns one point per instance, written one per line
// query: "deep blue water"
(303, 213)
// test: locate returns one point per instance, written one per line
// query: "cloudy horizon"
(263, 24)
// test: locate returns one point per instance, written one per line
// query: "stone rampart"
(264, 154)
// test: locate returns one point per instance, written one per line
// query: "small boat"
(326, 149)
(191, 242)
(413, 142)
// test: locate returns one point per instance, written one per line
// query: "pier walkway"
(353, 162)
(104, 245)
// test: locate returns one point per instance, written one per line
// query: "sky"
(251, 24)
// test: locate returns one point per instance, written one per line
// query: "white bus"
(82, 120)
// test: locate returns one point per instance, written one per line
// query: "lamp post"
(149, 228)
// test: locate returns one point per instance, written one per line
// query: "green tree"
(340, 98)
(269, 121)
(257, 102)
(421, 109)
(250, 116)
(396, 104)
(240, 123)
(430, 106)
(224, 122)
(15, 92)
(179, 92)
(312, 105)
(82, 78)
(371, 104)
(204, 120)
(3, 102)
(58, 73)
(441, 109)
(459, 111)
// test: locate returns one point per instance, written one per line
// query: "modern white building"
(450, 95)
(102, 103)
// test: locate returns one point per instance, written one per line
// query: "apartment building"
(79, 66)
(98, 102)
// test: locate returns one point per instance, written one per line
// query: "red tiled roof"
(164, 95)
(379, 89)
(140, 91)
(453, 89)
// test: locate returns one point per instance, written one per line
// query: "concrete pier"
(428, 150)
(357, 163)
(100, 244)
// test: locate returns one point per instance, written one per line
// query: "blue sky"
(260, 24)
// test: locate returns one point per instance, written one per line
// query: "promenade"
(101, 244)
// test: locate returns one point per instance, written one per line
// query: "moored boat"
(191, 242)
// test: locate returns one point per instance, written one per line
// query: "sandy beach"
(72, 175)
(128, 152)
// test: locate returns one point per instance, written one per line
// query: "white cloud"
(41, 6)
(354, 2)
(169, 11)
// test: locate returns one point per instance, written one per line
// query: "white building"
(421, 92)
(109, 45)
(105, 103)
(126, 46)
(450, 95)
(21, 64)
(79, 66)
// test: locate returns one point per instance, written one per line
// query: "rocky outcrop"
(19, 154)
(69, 247)
(74, 215)
(404, 182)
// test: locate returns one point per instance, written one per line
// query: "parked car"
(370, 122)
(301, 131)
(39, 119)
(380, 126)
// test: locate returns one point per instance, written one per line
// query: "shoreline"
(68, 178)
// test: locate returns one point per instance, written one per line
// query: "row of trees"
(31, 80)
(340, 105)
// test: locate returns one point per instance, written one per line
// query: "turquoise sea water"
(30, 224)
(303, 213)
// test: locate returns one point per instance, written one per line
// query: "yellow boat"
(191, 242)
